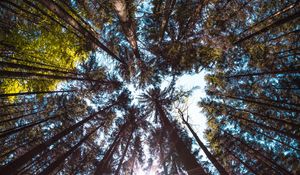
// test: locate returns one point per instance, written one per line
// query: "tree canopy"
(83, 87)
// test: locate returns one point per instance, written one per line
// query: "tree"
(157, 99)
(82, 86)
(218, 166)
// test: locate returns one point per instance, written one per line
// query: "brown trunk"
(22, 116)
(188, 159)
(32, 68)
(169, 5)
(258, 154)
(35, 63)
(276, 72)
(61, 13)
(241, 161)
(271, 138)
(212, 159)
(124, 153)
(37, 92)
(264, 117)
(291, 135)
(12, 131)
(268, 27)
(269, 19)
(103, 165)
(30, 75)
(268, 105)
(127, 24)
(13, 167)
(63, 157)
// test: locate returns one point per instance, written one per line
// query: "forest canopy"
(81, 87)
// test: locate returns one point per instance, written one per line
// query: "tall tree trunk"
(268, 105)
(33, 68)
(13, 167)
(271, 138)
(188, 159)
(169, 6)
(17, 146)
(36, 92)
(258, 154)
(39, 108)
(61, 13)
(265, 117)
(103, 165)
(241, 161)
(12, 131)
(31, 75)
(127, 24)
(125, 151)
(271, 128)
(35, 63)
(22, 116)
(212, 159)
(5, 106)
(270, 18)
(274, 24)
(275, 72)
(63, 157)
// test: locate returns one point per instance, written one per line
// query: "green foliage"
(67, 69)
(55, 47)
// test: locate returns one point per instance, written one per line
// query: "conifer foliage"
(82, 86)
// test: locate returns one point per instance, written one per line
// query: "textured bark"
(127, 24)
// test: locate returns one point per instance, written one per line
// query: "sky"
(185, 82)
(197, 118)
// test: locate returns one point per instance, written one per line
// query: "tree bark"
(212, 159)
(275, 72)
(63, 157)
(60, 12)
(23, 127)
(37, 92)
(13, 167)
(125, 151)
(189, 161)
(127, 24)
(33, 68)
(273, 25)
(258, 154)
(103, 165)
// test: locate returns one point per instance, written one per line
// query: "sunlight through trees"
(93, 87)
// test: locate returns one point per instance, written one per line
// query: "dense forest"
(81, 87)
